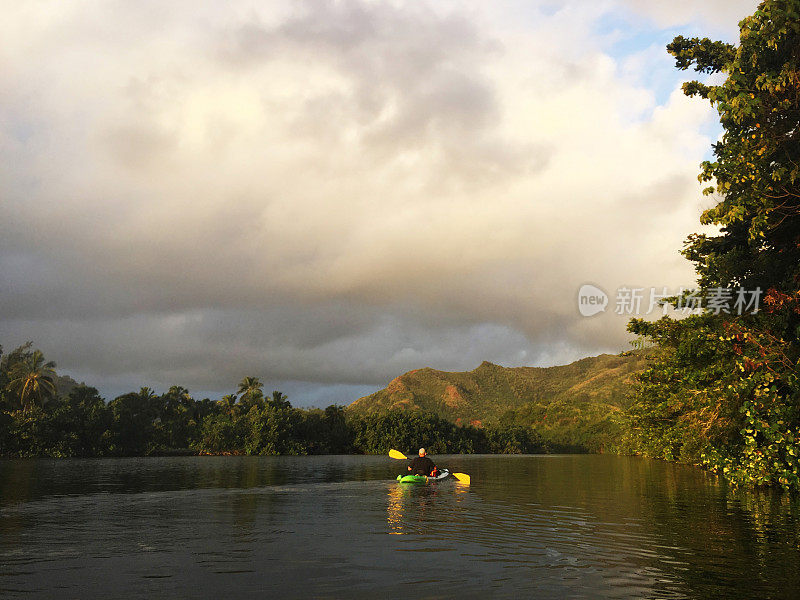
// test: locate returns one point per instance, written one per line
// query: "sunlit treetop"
(756, 173)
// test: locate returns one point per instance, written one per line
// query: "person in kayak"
(422, 465)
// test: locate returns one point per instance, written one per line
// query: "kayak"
(423, 478)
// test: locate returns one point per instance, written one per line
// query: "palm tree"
(180, 393)
(250, 389)
(228, 403)
(178, 399)
(279, 400)
(33, 380)
(146, 393)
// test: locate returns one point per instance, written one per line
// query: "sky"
(326, 194)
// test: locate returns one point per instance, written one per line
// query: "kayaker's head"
(422, 452)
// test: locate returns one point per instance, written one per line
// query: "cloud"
(714, 17)
(331, 192)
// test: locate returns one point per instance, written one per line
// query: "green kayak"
(422, 478)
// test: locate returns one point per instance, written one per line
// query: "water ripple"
(545, 527)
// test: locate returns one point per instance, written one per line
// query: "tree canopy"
(81, 423)
(724, 391)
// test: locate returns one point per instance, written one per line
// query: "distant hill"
(572, 406)
(65, 384)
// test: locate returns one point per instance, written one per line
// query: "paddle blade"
(462, 478)
(397, 455)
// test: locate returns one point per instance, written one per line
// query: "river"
(562, 526)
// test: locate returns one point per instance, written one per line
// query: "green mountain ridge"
(574, 406)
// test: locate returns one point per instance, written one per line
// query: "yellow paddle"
(462, 477)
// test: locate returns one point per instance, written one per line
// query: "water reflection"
(545, 527)
(413, 508)
(394, 509)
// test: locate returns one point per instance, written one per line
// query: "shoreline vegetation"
(43, 415)
(723, 389)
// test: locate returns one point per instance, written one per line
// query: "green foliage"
(82, 421)
(513, 439)
(73, 426)
(723, 389)
(376, 434)
(142, 423)
(706, 55)
(275, 431)
(756, 170)
(133, 425)
(251, 392)
(676, 412)
(723, 394)
(327, 432)
(221, 433)
(30, 378)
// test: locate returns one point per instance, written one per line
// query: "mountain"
(572, 406)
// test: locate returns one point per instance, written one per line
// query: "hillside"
(571, 406)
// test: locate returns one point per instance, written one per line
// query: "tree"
(33, 380)
(134, 416)
(756, 170)
(221, 433)
(81, 423)
(326, 431)
(723, 390)
(251, 392)
(228, 403)
(279, 400)
(175, 425)
(275, 431)
(513, 439)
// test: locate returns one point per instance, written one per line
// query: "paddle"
(462, 477)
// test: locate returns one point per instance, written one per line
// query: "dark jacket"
(422, 465)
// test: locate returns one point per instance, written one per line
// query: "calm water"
(333, 527)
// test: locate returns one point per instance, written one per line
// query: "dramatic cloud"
(331, 193)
